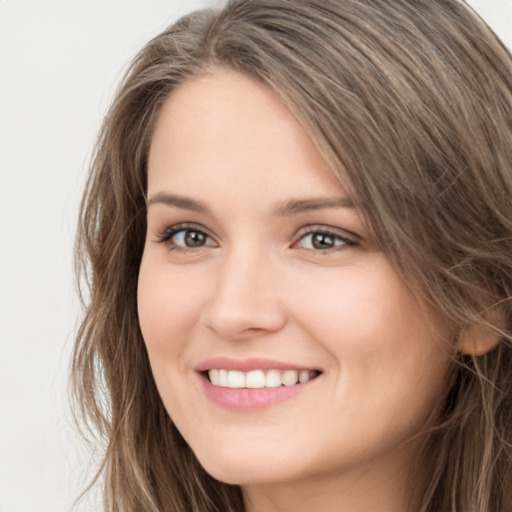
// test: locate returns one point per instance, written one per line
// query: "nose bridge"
(244, 301)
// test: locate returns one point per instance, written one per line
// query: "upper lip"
(247, 365)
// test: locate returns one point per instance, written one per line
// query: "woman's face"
(283, 343)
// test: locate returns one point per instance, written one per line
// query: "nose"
(245, 302)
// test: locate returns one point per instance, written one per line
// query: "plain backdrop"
(60, 61)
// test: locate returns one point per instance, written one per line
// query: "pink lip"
(249, 399)
(246, 365)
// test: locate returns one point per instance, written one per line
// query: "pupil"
(194, 239)
(322, 241)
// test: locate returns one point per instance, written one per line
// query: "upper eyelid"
(331, 230)
(172, 229)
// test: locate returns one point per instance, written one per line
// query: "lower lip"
(245, 399)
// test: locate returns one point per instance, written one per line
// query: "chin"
(242, 470)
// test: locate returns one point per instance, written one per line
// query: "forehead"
(226, 128)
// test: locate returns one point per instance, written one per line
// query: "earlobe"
(477, 339)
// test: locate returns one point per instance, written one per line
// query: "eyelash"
(324, 231)
(171, 231)
(167, 235)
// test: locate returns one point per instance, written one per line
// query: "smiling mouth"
(257, 379)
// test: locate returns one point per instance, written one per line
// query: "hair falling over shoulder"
(410, 102)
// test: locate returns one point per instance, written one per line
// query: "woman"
(297, 235)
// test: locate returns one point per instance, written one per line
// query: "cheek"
(384, 346)
(361, 309)
(168, 307)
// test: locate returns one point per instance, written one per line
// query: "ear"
(477, 340)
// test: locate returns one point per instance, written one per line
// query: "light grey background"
(59, 63)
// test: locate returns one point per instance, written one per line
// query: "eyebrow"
(186, 203)
(285, 209)
(303, 205)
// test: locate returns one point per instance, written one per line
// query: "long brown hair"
(410, 102)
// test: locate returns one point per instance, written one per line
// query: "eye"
(323, 240)
(189, 238)
(182, 237)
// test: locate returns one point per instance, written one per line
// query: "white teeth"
(255, 379)
(214, 375)
(273, 379)
(258, 378)
(236, 379)
(290, 377)
(223, 378)
(304, 376)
